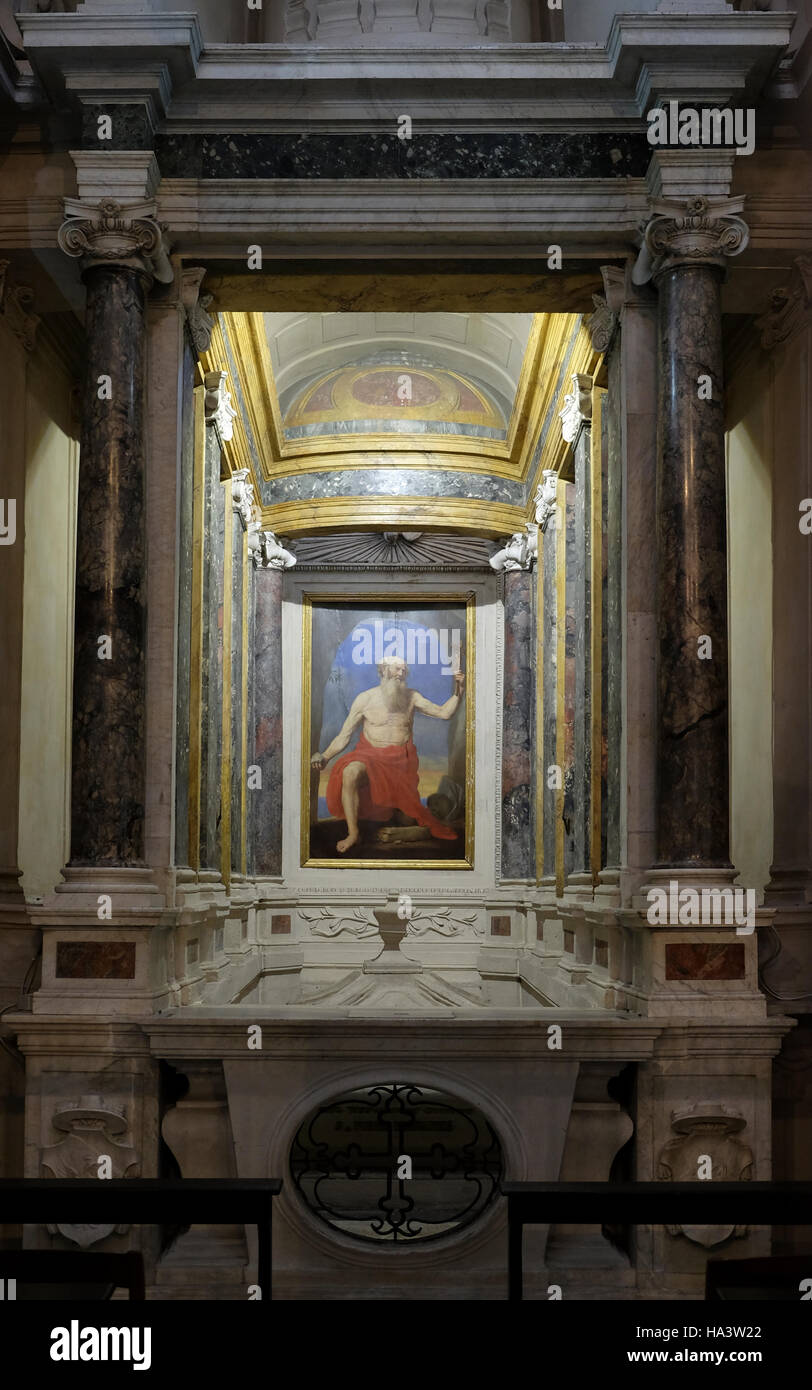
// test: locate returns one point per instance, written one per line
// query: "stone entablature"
(393, 21)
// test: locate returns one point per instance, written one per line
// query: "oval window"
(396, 1163)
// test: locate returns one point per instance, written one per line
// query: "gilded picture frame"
(380, 678)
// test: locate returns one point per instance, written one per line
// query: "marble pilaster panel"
(12, 395)
(549, 657)
(165, 387)
(568, 769)
(582, 704)
(235, 676)
(265, 801)
(184, 668)
(518, 727)
(109, 691)
(211, 806)
(612, 637)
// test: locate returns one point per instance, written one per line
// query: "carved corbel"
(545, 498)
(15, 309)
(789, 307)
(201, 324)
(217, 405)
(577, 407)
(242, 496)
(519, 552)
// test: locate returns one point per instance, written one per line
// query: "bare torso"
(384, 727)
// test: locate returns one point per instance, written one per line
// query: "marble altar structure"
(377, 304)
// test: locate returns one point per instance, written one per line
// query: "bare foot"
(344, 845)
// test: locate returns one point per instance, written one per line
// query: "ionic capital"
(112, 234)
(699, 231)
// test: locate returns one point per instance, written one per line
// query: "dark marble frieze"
(130, 126)
(381, 155)
(392, 550)
(391, 482)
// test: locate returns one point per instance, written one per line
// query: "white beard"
(395, 693)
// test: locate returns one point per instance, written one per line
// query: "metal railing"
(647, 1203)
(147, 1202)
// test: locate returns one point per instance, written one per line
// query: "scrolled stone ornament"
(697, 232)
(109, 234)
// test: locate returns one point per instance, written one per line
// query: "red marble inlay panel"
(280, 924)
(702, 960)
(95, 960)
(500, 926)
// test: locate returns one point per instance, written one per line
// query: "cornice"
(597, 87)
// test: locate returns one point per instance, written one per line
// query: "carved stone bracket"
(242, 496)
(577, 407)
(790, 307)
(200, 322)
(519, 552)
(602, 325)
(265, 550)
(700, 231)
(108, 233)
(15, 309)
(545, 498)
(217, 404)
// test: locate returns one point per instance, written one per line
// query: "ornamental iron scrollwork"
(347, 1157)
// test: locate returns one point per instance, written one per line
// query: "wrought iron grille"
(396, 1162)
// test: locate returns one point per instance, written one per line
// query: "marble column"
(117, 247)
(685, 251)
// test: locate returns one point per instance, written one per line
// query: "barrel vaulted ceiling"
(387, 419)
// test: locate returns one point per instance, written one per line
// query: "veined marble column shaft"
(108, 762)
(689, 245)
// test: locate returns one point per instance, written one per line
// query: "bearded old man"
(379, 776)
